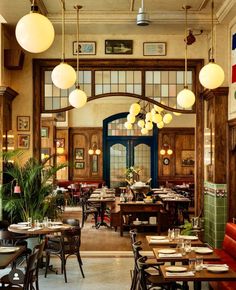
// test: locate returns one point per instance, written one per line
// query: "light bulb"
(141, 123)
(135, 109)
(169, 151)
(90, 152)
(34, 32)
(144, 131)
(186, 98)
(63, 76)
(148, 116)
(153, 111)
(162, 151)
(157, 118)
(128, 125)
(211, 76)
(160, 125)
(167, 118)
(131, 118)
(77, 98)
(98, 152)
(149, 126)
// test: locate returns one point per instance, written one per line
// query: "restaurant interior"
(118, 144)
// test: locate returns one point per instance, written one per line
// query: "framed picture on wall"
(187, 157)
(118, 46)
(79, 153)
(23, 123)
(44, 132)
(84, 47)
(23, 141)
(154, 48)
(79, 165)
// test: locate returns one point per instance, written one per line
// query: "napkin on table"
(182, 274)
(174, 255)
(154, 241)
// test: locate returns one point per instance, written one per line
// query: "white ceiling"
(119, 16)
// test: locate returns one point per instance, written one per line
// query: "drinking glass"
(45, 221)
(29, 220)
(199, 263)
(188, 246)
(192, 265)
(177, 234)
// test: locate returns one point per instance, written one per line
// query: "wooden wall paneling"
(62, 133)
(231, 172)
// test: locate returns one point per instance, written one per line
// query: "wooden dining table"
(198, 277)
(6, 258)
(166, 243)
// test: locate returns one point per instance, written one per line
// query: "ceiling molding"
(203, 4)
(224, 10)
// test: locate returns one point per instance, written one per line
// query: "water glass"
(199, 263)
(29, 220)
(192, 265)
(176, 234)
(188, 246)
(45, 221)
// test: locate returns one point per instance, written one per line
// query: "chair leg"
(63, 261)
(47, 264)
(80, 264)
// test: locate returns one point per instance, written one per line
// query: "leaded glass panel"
(117, 164)
(142, 160)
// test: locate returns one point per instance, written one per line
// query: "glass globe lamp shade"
(135, 109)
(169, 151)
(149, 126)
(160, 125)
(34, 32)
(97, 151)
(177, 114)
(211, 76)
(162, 151)
(185, 98)
(157, 118)
(77, 98)
(153, 111)
(128, 125)
(167, 118)
(158, 109)
(131, 118)
(148, 116)
(90, 152)
(141, 123)
(63, 76)
(144, 131)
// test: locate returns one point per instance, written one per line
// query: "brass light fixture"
(94, 150)
(166, 149)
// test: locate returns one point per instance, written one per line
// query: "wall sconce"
(94, 150)
(60, 150)
(166, 150)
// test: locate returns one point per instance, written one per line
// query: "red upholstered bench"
(228, 256)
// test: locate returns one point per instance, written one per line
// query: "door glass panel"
(142, 160)
(117, 164)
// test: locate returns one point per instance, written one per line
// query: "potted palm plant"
(34, 179)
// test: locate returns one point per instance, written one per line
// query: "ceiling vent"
(142, 17)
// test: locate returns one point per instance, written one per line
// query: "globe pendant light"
(34, 32)
(211, 76)
(77, 97)
(63, 75)
(186, 97)
(135, 109)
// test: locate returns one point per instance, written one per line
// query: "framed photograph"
(154, 48)
(187, 157)
(23, 123)
(119, 46)
(23, 141)
(60, 116)
(79, 153)
(84, 47)
(60, 142)
(79, 165)
(44, 132)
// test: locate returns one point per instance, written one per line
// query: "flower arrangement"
(132, 174)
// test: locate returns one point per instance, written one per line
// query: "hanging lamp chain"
(212, 26)
(77, 7)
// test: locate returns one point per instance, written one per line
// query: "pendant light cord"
(212, 25)
(78, 7)
(186, 49)
(63, 31)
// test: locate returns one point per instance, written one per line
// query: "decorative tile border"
(218, 190)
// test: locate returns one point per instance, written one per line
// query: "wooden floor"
(103, 239)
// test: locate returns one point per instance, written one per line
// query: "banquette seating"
(228, 256)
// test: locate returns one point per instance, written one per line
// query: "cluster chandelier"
(34, 32)
(146, 118)
(211, 76)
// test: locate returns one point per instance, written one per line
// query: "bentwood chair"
(29, 276)
(64, 246)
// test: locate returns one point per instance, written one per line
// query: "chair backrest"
(71, 240)
(133, 235)
(142, 266)
(71, 222)
(136, 247)
(30, 270)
